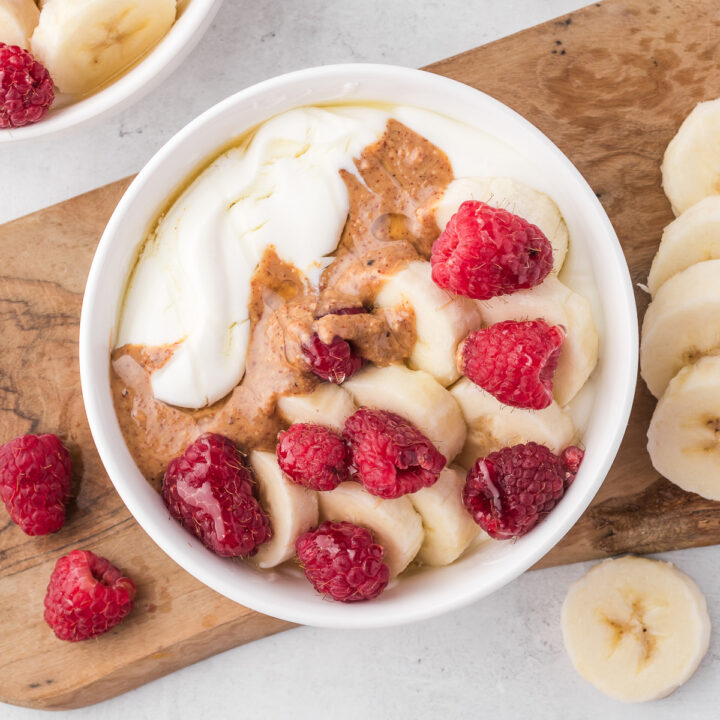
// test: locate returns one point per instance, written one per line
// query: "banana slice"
(395, 524)
(691, 166)
(493, 425)
(18, 19)
(328, 405)
(635, 628)
(293, 509)
(448, 527)
(441, 320)
(684, 433)
(536, 207)
(84, 43)
(680, 324)
(416, 396)
(690, 239)
(559, 305)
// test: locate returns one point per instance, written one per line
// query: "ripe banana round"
(690, 168)
(448, 527)
(532, 205)
(442, 320)
(328, 405)
(18, 19)
(394, 523)
(680, 324)
(493, 425)
(293, 509)
(690, 239)
(85, 43)
(557, 304)
(684, 433)
(635, 628)
(416, 396)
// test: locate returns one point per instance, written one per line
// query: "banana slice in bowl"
(18, 19)
(328, 405)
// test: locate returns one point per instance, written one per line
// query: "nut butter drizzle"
(390, 223)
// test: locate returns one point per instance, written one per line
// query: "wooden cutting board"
(609, 84)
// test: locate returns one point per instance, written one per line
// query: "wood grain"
(609, 85)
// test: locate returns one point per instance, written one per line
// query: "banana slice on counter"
(293, 509)
(635, 628)
(18, 19)
(442, 320)
(557, 304)
(684, 433)
(395, 524)
(328, 405)
(416, 396)
(448, 527)
(691, 166)
(493, 425)
(532, 205)
(84, 43)
(690, 239)
(681, 324)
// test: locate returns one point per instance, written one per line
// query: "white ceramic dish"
(194, 18)
(429, 592)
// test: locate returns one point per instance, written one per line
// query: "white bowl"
(285, 594)
(194, 18)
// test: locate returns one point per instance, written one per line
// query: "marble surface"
(500, 658)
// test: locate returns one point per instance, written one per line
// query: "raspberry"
(209, 490)
(335, 362)
(486, 251)
(26, 90)
(514, 361)
(511, 490)
(35, 473)
(86, 596)
(390, 455)
(343, 562)
(313, 456)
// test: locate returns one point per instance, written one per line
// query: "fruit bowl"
(193, 19)
(283, 593)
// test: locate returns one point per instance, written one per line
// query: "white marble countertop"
(500, 658)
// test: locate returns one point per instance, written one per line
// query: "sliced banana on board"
(691, 166)
(635, 628)
(328, 405)
(449, 529)
(292, 508)
(692, 238)
(557, 304)
(18, 19)
(416, 396)
(532, 205)
(493, 425)
(394, 523)
(85, 43)
(442, 320)
(681, 324)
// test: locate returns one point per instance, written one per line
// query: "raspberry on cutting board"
(209, 489)
(486, 251)
(35, 475)
(343, 561)
(26, 89)
(86, 596)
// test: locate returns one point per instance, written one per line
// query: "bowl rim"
(327, 614)
(147, 74)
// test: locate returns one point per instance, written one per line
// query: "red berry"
(390, 455)
(209, 490)
(514, 361)
(572, 457)
(486, 251)
(511, 490)
(335, 362)
(26, 90)
(86, 596)
(313, 456)
(35, 473)
(343, 562)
